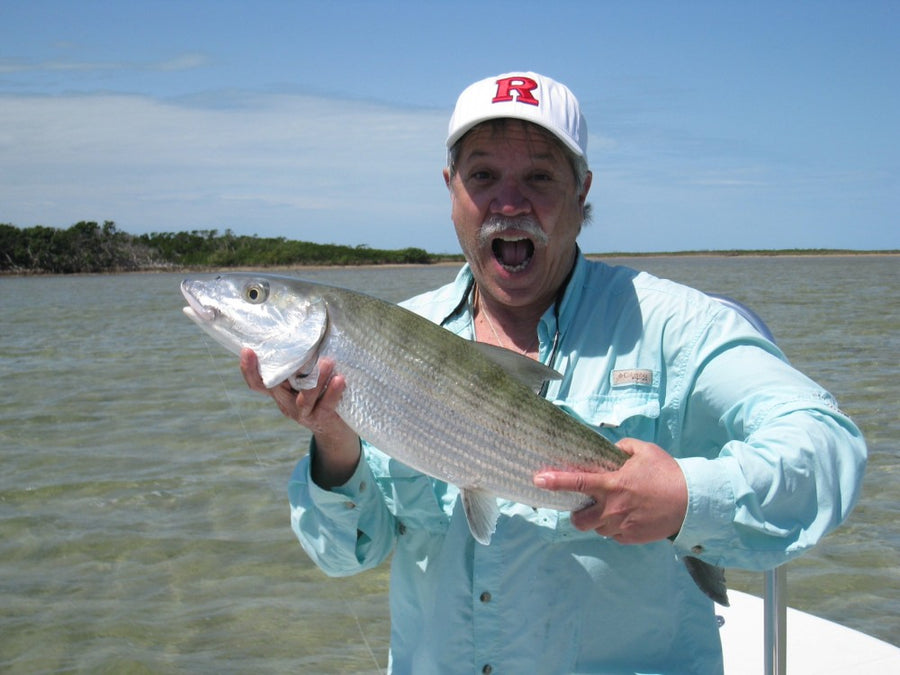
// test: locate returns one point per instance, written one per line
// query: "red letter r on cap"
(523, 86)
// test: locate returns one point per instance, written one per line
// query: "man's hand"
(643, 501)
(312, 408)
(315, 409)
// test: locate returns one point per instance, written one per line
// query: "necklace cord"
(479, 306)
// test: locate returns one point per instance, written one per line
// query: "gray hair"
(578, 163)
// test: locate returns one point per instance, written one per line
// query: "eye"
(256, 292)
(479, 175)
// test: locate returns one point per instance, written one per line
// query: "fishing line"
(363, 636)
(233, 405)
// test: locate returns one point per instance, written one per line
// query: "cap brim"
(453, 138)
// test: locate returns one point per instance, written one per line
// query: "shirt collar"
(560, 315)
(556, 318)
(459, 318)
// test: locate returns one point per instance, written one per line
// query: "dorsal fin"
(526, 370)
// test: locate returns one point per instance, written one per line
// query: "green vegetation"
(87, 247)
(765, 252)
(90, 247)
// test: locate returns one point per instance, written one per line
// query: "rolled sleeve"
(771, 463)
(770, 497)
(346, 529)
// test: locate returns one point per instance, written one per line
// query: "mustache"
(494, 225)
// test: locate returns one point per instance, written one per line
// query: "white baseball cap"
(525, 96)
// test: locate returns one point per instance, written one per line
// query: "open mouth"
(513, 253)
(196, 308)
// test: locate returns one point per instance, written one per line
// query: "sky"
(712, 125)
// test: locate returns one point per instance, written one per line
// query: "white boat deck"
(815, 646)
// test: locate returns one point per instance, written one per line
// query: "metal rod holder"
(775, 621)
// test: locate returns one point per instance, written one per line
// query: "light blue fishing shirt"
(771, 465)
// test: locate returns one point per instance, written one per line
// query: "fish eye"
(256, 292)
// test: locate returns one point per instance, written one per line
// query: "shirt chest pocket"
(625, 411)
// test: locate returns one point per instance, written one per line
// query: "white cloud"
(285, 165)
(187, 61)
(359, 172)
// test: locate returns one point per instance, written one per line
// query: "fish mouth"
(196, 309)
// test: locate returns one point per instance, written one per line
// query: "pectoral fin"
(482, 513)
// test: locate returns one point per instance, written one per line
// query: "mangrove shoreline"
(90, 248)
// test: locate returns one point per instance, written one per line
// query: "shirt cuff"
(358, 489)
(708, 527)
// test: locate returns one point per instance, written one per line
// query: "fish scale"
(458, 411)
(445, 414)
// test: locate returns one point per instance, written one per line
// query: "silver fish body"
(464, 413)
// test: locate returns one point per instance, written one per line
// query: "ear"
(587, 188)
(447, 177)
(586, 210)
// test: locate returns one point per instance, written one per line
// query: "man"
(736, 458)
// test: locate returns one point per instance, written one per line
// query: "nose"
(510, 199)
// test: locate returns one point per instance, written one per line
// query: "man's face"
(517, 212)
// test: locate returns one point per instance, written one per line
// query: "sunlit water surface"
(143, 512)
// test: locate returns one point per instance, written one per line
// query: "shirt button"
(485, 597)
(401, 529)
(350, 505)
(487, 669)
(362, 486)
(697, 549)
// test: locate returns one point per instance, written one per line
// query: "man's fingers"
(588, 518)
(332, 393)
(570, 481)
(250, 370)
(629, 446)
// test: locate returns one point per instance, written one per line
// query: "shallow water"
(143, 512)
